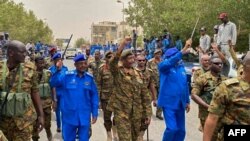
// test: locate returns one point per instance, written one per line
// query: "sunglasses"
(217, 63)
(141, 60)
(108, 57)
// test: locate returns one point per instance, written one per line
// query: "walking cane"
(147, 135)
(195, 27)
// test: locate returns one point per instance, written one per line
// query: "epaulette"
(69, 72)
(231, 81)
(150, 70)
(89, 74)
(101, 66)
(29, 64)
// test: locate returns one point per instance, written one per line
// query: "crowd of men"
(124, 84)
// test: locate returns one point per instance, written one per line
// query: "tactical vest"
(17, 102)
(44, 87)
(207, 92)
(207, 95)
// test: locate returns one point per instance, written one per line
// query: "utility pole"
(123, 21)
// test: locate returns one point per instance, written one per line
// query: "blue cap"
(171, 52)
(56, 56)
(79, 57)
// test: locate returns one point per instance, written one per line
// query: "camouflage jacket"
(43, 78)
(94, 67)
(48, 62)
(105, 82)
(204, 87)
(198, 72)
(28, 85)
(153, 65)
(146, 76)
(231, 102)
(129, 93)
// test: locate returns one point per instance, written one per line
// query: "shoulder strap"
(4, 75)
(20, 78)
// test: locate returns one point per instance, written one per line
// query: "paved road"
(156, 127)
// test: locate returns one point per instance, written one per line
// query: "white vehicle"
(71, 52)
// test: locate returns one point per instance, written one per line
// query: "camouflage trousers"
(2, 137)
(158, 109)
(128, 125)
(107, 115)
(144, 126)
(12, 132)
(47, 124)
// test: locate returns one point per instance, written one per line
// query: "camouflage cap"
(108, 53)
(38, 57)
(158, 50)
(126, 53)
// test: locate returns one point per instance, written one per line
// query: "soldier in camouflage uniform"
(204, 87)
(130, 103)
(48, 60)
(95, 65)
(88, 55)
(149, 85)
(230, 103)
(153, 65)
(45, 95)
(105, 86)
(205, 66)
(21, 79)
(2, 137)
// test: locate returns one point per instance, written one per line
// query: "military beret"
(79, 57)
(158, 50)
(126, 53)
(171, 52)
(56, 56)
(52, 49)
(108, 53)
(222, 15)
(203, 29)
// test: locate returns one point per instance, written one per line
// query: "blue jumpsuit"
(59, 93)
(80, 102)
(173, 97)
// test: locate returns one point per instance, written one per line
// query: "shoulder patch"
(231, 81)
(89, 74)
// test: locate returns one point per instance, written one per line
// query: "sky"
(66, 17)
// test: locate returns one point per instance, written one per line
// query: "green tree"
(179, 16)
(80, 41)
(21, 24)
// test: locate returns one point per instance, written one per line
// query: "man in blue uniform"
(57, 91)
(174, 93)
(80, 99)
